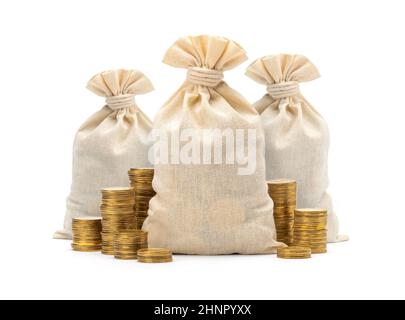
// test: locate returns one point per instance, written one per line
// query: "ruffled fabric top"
(282, 68)
(210, 52)
(119, 82)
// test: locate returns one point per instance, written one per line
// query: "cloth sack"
(297, 137)
(108, 144)
(200, 208)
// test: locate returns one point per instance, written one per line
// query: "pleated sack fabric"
(297, 137)
(209, 209)
(109, 143)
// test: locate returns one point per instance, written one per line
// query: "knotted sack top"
(282, 74)
(205, 57)
(120, 87)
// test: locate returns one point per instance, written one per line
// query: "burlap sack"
(297, 137)
(109, 143)
(209, 209)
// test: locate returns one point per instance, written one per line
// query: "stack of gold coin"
(117, 210)
(294, 253)
(310, 229)
(141, 181)
(284, 195)
(154, 255)
(86, 234)
(127, 243)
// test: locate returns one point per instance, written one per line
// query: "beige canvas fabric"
(109, 143)
(297, 137)
(209, 209)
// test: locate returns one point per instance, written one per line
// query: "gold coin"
(118, 209)
(79, 237)
(310, 224)
(309, 238)
(155, 260)
(294, 252)
(117, 190)
(281, 181)
(309, 234)
(154, 255)
(86, 220)
(284, 208)
(84, 248)
(125, 203)
(107, 252)
(154, 252)
(125, 257)
(283, 211)
(319, 250)
(311, 212)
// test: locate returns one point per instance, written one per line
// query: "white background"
(48, 51)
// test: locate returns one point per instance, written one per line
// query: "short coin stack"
(284, 195)
(117, 210)
(310, 229)
(294, 253)
(86, 234)
(141, 181)
(154, 255)
(127, 243)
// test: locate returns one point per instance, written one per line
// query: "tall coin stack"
(284, 195)
(86, 234)
(127, 243)
(141, 181)
(310, 229)
(117, 210)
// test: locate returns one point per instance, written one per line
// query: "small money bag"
(297, 137)
(109, 143)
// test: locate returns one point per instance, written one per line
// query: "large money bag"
(204, 205)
